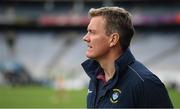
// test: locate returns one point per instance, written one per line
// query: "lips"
(89, 46)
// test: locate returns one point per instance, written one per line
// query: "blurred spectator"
(15, 73)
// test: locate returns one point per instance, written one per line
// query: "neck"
(108, 63)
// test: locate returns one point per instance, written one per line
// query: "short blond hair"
(117, 20)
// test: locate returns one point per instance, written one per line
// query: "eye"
(91, 32)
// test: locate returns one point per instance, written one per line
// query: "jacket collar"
(91, 66)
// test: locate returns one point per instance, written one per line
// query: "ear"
(114, 39)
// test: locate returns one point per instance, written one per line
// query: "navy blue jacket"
(133, 85)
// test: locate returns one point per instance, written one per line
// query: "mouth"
(89, 46)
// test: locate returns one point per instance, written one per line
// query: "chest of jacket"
(118, 96)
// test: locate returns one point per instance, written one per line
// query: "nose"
(86, 38)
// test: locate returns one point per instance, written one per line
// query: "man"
(116, 78)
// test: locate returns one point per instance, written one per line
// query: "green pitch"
(39, 97)
(34, 96)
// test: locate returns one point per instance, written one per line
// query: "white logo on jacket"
(115, 95)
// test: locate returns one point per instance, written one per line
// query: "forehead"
(97, 22)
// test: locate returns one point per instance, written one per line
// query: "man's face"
(96, 38)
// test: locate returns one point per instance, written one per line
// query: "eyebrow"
(88, 28)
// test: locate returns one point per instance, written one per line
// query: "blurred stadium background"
(41, 48)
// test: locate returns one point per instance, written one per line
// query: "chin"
(90, 56)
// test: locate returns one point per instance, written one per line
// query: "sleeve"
(152, 95)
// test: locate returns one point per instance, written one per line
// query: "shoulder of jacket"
(142, 74)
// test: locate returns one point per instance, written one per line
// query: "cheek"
(101, 46)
